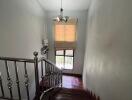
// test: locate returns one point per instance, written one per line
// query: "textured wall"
(108, 56)
(21, 30)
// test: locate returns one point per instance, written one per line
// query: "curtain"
(65, 35)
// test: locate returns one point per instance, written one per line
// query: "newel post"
(36, 75)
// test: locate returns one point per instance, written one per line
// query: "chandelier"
(60, 17)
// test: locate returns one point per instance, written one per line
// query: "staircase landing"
(72, 89)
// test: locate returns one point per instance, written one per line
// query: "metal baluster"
(46, 77)
(26, 80)
(36, 75)
(56, 76)
(61, 78)
(1, 85)
(50, 70)
(9, 80)
(42, 70)
(50, 75)
(53, 75)
(42, 73)
(17, 80)
(47, 68)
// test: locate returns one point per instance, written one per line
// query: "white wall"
(81, 31)
(108, 57)
(21, 30)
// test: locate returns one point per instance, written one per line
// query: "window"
(65, 43)
(65, 58)
(65, 35)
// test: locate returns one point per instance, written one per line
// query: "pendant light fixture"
(61, 18)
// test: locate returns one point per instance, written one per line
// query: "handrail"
(7, 98)
(48, 61)
(17, 59)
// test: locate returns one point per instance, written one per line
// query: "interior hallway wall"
(108, 56)
(21, 31)
(81, 33)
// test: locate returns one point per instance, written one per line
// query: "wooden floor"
(72, 89)
(72, 82)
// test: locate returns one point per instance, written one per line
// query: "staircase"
(47, 77)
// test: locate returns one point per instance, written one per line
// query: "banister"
(48, 61)
(17, 59)
(52, 74)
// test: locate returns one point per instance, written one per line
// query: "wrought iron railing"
(51, 77)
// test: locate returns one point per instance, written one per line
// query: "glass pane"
(60, 61)
(60, 52)
(68, 63)
(69, 52)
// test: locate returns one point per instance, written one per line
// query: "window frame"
(66, 56)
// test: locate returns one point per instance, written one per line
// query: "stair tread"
(71, 94)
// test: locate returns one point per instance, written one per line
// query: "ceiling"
(67, 4)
